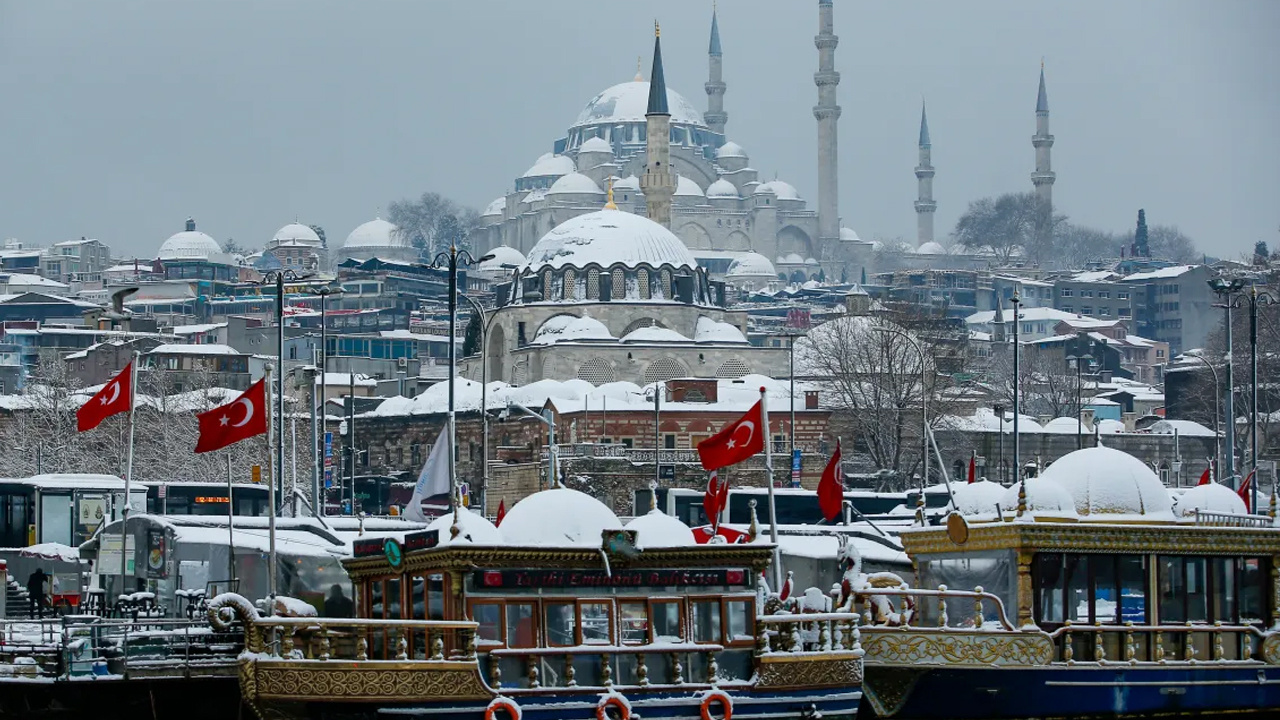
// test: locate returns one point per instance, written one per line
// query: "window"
(1065, 308)
(705, 618)
(1066, 292)
(1090, 588)
(560, 624)
(1104, 312)
(489, 616)
(594, 622)
(1102, 294)
(739, 620)
(666, 621)
(1086, 309)
(1122, 294)
(1125, 312)
(521, 632)
(1159, 354)
(633, 623)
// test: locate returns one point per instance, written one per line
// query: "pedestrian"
(35, 593)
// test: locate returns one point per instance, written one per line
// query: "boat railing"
(1188, 642)
(943, 608)
(691, 664)
(806, 632)
(360, 639)
(1215, 519)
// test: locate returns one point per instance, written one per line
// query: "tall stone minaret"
(657, 183)
(827, 112)
(924, 179)
(715, 116)
(1042, 141)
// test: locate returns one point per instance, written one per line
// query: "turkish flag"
(1246, 491)
(114, 397)
(704, 533)
(736, 442)
(831, 487)
(1204, 477)
(716, 498)
(242, 418)
(502, 512)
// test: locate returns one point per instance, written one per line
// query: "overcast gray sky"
(119, 119)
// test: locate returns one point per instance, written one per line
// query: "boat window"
(1197, 590)
(1047, 577)
(489, 616)
(739, 616)
(376, 606)
(1090, 588)
(418, 597)
(560, 623)
(594, 620)
(1173, 591)
(520, 625)
(1076, 569)
(1253, 575)
(393, 598)
(1222, 603)
(666, 621)
(1102, 568)
(705, 617)
(995, 571)
(633, 622)
(1133, 588)
(435, 596)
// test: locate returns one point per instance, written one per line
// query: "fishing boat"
(1086, 592)
(561, 613)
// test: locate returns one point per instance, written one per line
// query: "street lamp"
(1217, 402)
(1078, 359)
(553, 452)
(483, 496)
(1227, 289)
(278, 278)
(323, 293)
(1017, 408)
(999, 411)
(1255, 299)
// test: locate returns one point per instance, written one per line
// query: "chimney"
(810, 399)
(1130, 420)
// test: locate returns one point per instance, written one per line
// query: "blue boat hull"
(1080, 691)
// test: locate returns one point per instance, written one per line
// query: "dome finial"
(609, 204)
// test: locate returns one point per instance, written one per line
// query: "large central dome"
(627, 102)
(610, 237)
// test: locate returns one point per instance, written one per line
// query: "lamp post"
(451, 260)
(1017, 382)
(483, 496)
(553, 453)
(1255, 299)
(1228, 289)
(657, 432)
(278, 278)
(323, 366)
(791, 371)
(924, 395)
(1217, 403)
(999, 411)
(1077, 358)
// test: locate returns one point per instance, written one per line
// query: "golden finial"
(609, 205)
(657, 31)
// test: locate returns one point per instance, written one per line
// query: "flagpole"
(271, 502)
(128, 469)
(773, 508)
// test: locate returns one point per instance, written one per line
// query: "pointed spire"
(924, 127)
(657, 85)
(714, 47)
(1042, 99)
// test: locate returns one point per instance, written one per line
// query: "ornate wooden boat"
(480, 624)
(1089, 597)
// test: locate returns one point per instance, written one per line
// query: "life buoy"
(501, 703)
(726, 702)
(616, 702)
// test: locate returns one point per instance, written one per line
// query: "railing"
(808, 633)
(607, 666)
(1213, 519)
(309, 638)
(1135, 644)
(986, 607)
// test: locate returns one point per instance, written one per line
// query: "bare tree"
(432, 222)
(1045, 385)
(1169, 242)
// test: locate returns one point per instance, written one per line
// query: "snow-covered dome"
(790, 259)
(575, 183)
(657, 529)
(1104, 481)
(784, 190)
(608, 237)
(654, 334)
(1045, 498)
(296, 233)
(1110, 427)
(978, 498)
(497, 207)
(190, 244)
(687, 187)
(1065, 425)
(627, 102)
(730, 149)
(848, 235)
(712, 331)
(630, 182)
(570, 327)
(558, 518)
(722, 188)
(472, 527)
(377, 233)
(551, 165)
(596, 144)
(502, 255)
(931, 248)
(763, 189)
(1210, 497)
(751, 265)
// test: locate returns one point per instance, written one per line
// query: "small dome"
(607, 238)
(497, 207)
(784, 190)
(790, 259)
(575, 184)
(630, 182)
(979, 498)
(722, 188)
(764, 189)
(558, 518)
(931, 248)
(298, 233)
(551, 166)
(595, 144)
(472, 527)
(500, 256)
(1210, 497)
(751, 265)
(1110, 427)
(712, 331)
(1045, 498)
(376, 233)
(730, 149)
(687, 187)
(570, 327)
(1066, 426)
(657, 529)
(190, 244)
(654, 334)
(1104, 481)
(848, 235)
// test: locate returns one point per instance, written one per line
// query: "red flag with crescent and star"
(715, 498)
(114, 397)
(1246, 491)
(241, 418)
(736, 442)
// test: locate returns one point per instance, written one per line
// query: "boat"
(563, 613)
(1084, 592)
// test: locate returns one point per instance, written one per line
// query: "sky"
(119, 120)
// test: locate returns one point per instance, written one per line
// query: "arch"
(496, 352)
(593, 283)
(792, 239)
(737, 240)
(695, 237)
(642, 279)
(619, 283)
(697, 172)
(643, 322)
(732, 369)
(798, 277)
(596, 370)
(665, 368)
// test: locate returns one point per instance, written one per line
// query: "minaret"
(924, 180)
(657, 183)
(1042, 141)
(715, 115)
(827, 112)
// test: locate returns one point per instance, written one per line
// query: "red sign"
(599, 578)
(704, 534)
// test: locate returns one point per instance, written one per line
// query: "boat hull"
(1078, 691)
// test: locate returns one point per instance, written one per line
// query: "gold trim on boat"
(808, 670)
(955, 647)
(337, 681)
(1108, 538)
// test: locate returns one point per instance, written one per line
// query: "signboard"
(394, 554)
(109, 555)
(365, 547)
(257, 474)
(93, 509)
(795, 468)
(163, 491)
(421, 540)
(667, 472)
(155, 554)
(679, 578)
(328, 460)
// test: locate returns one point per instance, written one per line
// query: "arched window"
(596, 370)
(619, 284)
(570, 284)
(664, 368)
(642, 277)
(666, 284)
(593, 283)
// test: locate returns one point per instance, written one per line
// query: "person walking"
(35, 593)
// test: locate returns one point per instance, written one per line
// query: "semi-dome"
(1104, 481)
(627, 102)
(610, 237)
(596, 144)
(784, 190)
(190, 244)
(931, 248)
(560, 328)
(848, 235)
(575, 184)
(377, 233)
(630, 182)
(497, 207)
(550, 165)
(296, 233)
(653, 333)
(558, 518)
(1045, 498)
(1210, 497)
(687, 187)
(978, 498)
(472, 527)
(722, 188)
(657, 529)
(751, 265)
(731, 149)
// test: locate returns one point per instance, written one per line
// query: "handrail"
(275, 620)
(942, 593)
(1070, 627)
(648, 649)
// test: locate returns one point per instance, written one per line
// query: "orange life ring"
(501, 703)
(616, 702)
(725, 701)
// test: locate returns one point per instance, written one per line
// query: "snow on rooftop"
(13, 278)
(575, 184)
(1035, 314)
(564, 328)
(712, 331)
(653, 334)
(657, 529)
(1104, 481)
(345, 379)
(188, 349)
(1212, 497)
(607, 238)
(558, 518)
(1161, 274)
(1094, 276)
(551, 165)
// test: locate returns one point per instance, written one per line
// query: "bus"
(796, 506)
(62, 508)
(206, 498)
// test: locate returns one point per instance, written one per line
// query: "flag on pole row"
(736, 442)
(715, 498)
(831, 488)
(433, 480)
(242, 418)
(115, 397)
(1246, 491)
